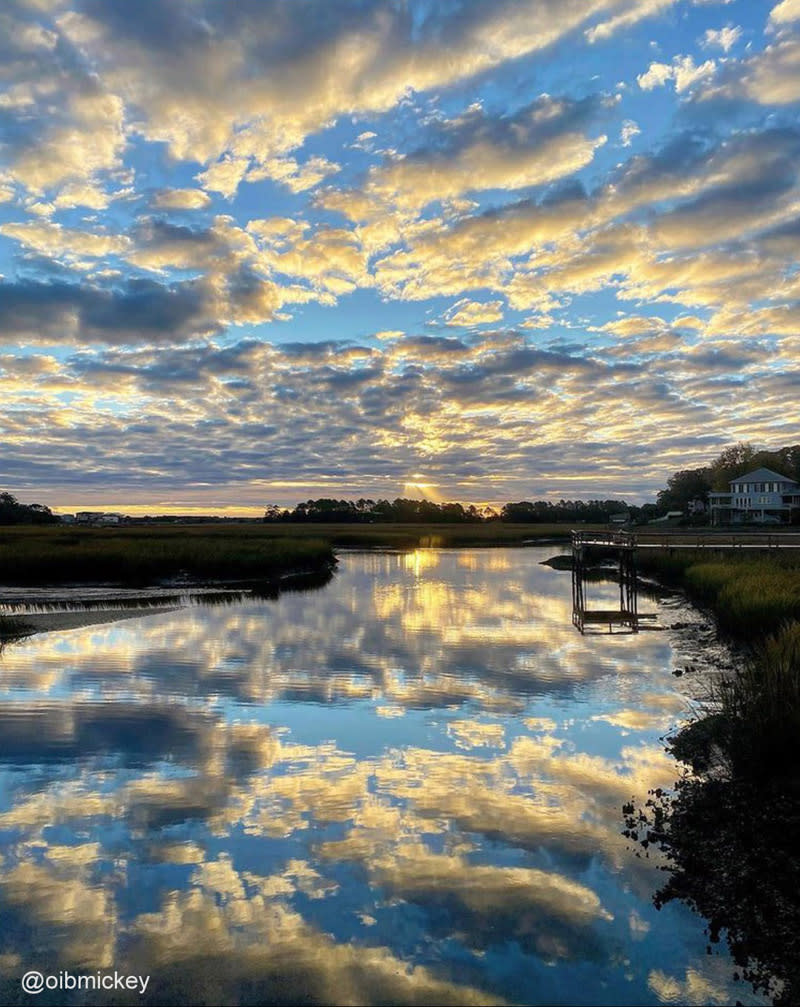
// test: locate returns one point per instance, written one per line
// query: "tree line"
(405, 511)
(14, 512)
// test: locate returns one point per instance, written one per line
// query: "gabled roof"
(762, 476)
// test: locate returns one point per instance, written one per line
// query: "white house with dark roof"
(762, 495)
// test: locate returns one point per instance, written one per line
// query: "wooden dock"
(623, 619)
(623, 546)
(683, 539)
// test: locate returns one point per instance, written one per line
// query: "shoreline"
(75, 606)
(33, 623)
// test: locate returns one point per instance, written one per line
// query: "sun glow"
(414, 489)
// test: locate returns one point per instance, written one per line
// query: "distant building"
(110, 519)
(762, 495)
(94, 517)
(671, 517)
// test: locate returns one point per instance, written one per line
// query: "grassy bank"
(148, 555)
(143, 554)
(433, 535)
(729, 829)
(751, 596)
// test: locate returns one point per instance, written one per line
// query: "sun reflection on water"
(406, 787)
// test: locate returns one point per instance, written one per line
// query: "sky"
(262, 251)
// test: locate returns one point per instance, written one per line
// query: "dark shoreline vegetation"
(148, 554)
(141, 556)
(729, 827)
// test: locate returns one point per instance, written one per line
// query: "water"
(403, 788)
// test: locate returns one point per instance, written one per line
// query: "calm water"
(402, 788)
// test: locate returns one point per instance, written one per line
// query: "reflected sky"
(404, 788)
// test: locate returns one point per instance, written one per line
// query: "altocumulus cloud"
(212, 215)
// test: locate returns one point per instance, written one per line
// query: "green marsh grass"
(751, 596)
(145, 555)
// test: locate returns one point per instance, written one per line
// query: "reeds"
(146, 555)
(760, 708)
(750, 596)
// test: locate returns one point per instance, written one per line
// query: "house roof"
(762, 476)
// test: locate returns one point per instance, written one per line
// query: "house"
(759, 496)
(86, 516)
(91, 517)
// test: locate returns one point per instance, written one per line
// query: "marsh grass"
(758, 709)
(729, 829)
(432, 535)
(147, 555)
(751, 596)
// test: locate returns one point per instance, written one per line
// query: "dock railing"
(619, 539)
(707, 540)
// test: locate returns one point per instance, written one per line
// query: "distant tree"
(732, 462)
(683, 487)
(785, 461)
(518, 512)
(647, 512)
(14, 512)
(565, 511)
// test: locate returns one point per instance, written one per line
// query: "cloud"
(236, 89)
(629, 130)
(461, 410)
(769, 77)
(66, 128)
(785, 12)
(63, 313)
(683, 71)
(722, 38)
(466, 313)
(59, 242)
(180, 199)
(255, 217)
(629, 14)
(540, 143)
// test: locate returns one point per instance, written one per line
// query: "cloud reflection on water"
(218, 795)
